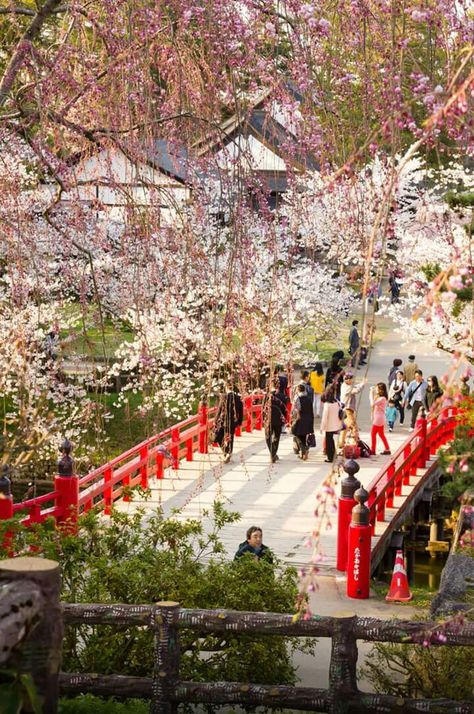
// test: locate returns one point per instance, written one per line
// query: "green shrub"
(87, 704)
(421, 672)
(128, 559)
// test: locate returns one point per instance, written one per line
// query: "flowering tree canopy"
(166, 240)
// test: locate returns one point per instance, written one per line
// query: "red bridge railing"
(104, 485)
(428, 437)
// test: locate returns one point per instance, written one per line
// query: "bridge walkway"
(281, 498)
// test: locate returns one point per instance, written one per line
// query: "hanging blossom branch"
(23, 47)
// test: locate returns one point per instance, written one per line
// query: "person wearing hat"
(410, 368)
(349, 390)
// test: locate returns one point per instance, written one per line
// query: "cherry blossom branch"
(23, 47)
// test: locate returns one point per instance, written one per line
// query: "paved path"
(281, 497)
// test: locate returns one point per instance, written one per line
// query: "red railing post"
(405, 480)
(358, 558)
(34, 515)
(67, 502)
(346, 503)
(421, 432)
(189, 449)
(258, 416)
(175, 447)
(391, 485)
(6, 507)
(6, 512)
(248, 414)
(144, 466)
(433, 447)
(203, 432)
(160, 471)
(372, 508)
(108, 473)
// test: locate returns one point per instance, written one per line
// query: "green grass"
(127, 428)
(339, 340)
(85, 336)
(421, 596)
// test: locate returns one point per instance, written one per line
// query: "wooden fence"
(31, 624)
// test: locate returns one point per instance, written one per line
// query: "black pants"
(401, 410)
(273, 439)
(414, 412)
(300, 442)
(330, 445)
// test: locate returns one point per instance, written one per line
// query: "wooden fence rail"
(30, 586)
(165, 689)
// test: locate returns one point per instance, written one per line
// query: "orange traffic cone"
(399, 590)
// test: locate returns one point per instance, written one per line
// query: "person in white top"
(331, 421)
(397, 392)
(349, 390)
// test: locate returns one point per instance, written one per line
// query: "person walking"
(394, 288)
(331, 421)
(415, 396)
(316, 379)
(282, 393)
(230, 414)
(391, 414)
(433, 393)
(397, 392)
(349, 390)
(409, 369)
(397, 363)
(335, 371)
(274, 416)
(378, 402)
(354, 343)
(302, 422)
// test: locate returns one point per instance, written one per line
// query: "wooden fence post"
(342, 668)
(166, 666)
(40, 655)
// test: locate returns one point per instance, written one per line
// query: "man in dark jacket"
(302, 422)
(254, 546)
(230, 414)
(354, 343)
(274, 416)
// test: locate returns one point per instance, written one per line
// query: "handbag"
(351, 451)
(310, 441)
(365, 450)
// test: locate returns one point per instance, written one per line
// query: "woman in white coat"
(331, 421)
